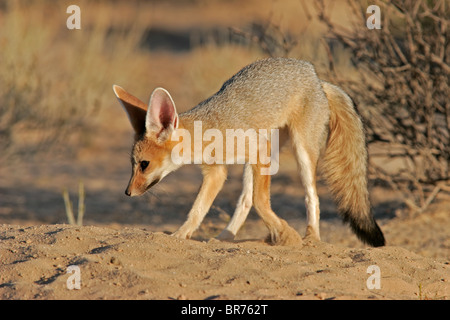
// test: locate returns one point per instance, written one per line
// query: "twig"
(330, 57)
(81, 207)
(69, 207)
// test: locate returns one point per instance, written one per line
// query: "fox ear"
(162, 117)
(135, 109)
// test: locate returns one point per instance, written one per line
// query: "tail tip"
(367, 230)
(371, 234)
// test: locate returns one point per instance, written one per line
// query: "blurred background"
(61, 125)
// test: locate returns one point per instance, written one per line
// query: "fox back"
(263, 95)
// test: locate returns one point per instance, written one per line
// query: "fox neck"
(187, 140)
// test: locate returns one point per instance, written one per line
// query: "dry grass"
(55, 80)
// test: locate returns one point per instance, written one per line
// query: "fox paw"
(225, 235)
(180, 234)
(311, 234)
(285, 236)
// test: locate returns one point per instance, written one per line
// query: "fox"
(319, 119)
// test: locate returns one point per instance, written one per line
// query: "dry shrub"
(402, 92)
(398, 77)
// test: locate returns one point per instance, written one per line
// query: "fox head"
(153, 126)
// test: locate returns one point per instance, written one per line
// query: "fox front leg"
(213, 178)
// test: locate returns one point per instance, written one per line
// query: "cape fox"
(275, 93)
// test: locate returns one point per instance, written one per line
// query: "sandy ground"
(135, 263)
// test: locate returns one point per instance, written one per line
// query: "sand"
(134, 263)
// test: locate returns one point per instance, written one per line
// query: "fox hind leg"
(243, 206)
(245, 200)
(280, 232)
(307, 163)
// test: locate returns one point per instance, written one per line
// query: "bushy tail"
(344, 166)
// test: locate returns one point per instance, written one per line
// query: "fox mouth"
(152, 184)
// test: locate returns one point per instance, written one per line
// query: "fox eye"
(144, 164)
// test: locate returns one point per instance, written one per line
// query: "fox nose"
(128, 192)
